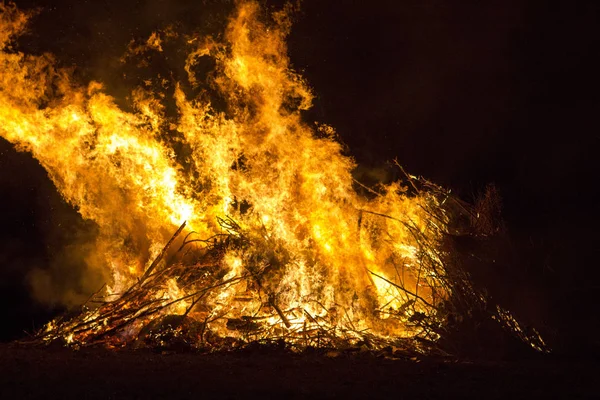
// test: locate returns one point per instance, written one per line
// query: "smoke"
(47, 249)
(73, 271)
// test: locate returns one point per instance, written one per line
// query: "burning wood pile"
(279, 244)
(147, 314)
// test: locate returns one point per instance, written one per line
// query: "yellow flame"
(118, 170)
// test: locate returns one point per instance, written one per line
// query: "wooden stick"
(162, 253)
(279, 312)
(403, 289)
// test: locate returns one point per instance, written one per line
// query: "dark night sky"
(463, 93)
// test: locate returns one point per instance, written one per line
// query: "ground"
(27, 373)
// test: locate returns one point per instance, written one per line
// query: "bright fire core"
(321, 254)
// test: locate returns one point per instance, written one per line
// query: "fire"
(313, 253)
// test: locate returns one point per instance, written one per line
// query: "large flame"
(333, 254)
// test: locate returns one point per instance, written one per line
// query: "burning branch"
(163, 252)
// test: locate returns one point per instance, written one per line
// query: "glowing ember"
(279, 244)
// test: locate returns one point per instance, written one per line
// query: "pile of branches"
(110, 319)
(461, 240)
(463, 321)
(143, 316)
(468, 322)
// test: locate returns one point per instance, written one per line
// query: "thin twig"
(403, 289)
(162, 253)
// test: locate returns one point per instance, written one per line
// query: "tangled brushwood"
(453, 317)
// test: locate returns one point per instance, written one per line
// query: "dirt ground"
(31, 373)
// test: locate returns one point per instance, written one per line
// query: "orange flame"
(118, 170)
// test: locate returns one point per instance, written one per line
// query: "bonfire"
(225, 219)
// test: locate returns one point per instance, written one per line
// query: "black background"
(464, 93)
